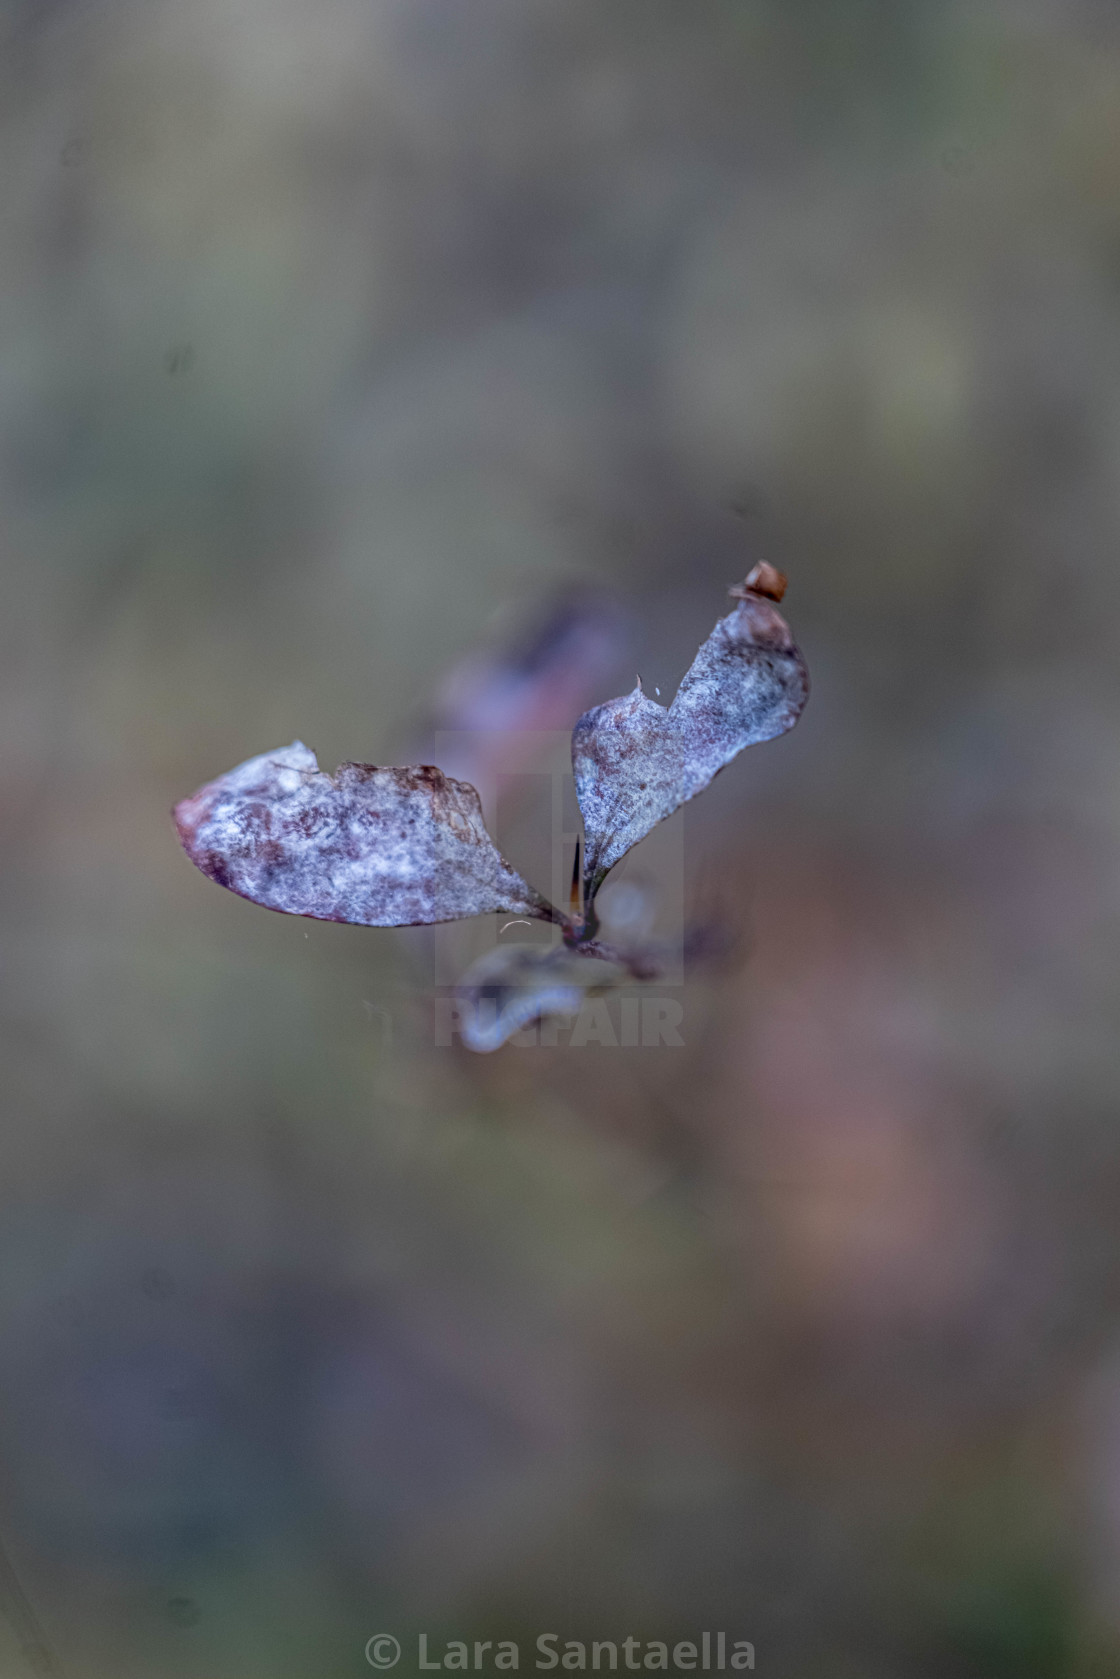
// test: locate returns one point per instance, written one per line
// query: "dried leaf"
(514, 985)
(378, 847)
(636, 762)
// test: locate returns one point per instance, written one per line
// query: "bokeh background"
(336, 339)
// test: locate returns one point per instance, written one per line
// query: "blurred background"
(341, 342)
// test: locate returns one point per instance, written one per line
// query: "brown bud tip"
(763, 580)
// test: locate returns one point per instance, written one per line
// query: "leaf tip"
(763, 579)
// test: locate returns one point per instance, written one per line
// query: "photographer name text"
(714, 1652)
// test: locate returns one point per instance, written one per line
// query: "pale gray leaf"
(512, 986)
(378, 847)
(636, 761)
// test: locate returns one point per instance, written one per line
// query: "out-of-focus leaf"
(495, 703)
(512, 986)
(636, 761)
(378, 847)
(627, 909)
